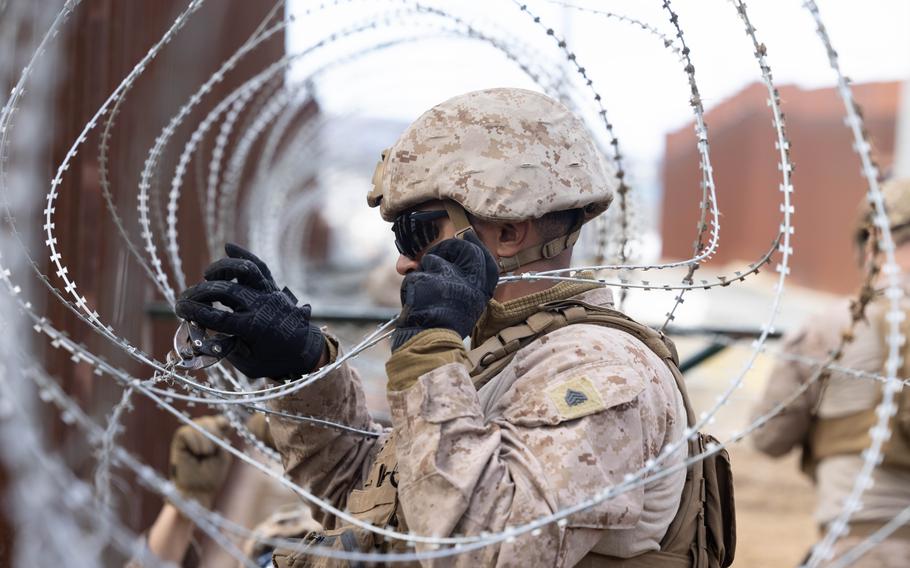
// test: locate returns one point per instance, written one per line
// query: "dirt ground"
(774, 500)
(773, 510)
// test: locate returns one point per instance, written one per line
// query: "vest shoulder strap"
(702, 534)
(494, 354)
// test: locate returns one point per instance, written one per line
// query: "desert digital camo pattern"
(896, 193)
(503, 154)
(897, 200)
(468, 462)
(326, 461)
(842, 397)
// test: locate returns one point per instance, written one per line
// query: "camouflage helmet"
(896, 194)
(501, 155)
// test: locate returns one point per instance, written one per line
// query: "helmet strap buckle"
(546, 251)
(459, 218)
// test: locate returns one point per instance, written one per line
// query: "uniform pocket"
(346, 539)
(720, 507)
(374, 506)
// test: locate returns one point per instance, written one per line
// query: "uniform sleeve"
(328, 462)
(789, 428)
(570, 426)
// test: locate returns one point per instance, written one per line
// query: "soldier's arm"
(788, 428)
(569, 427)
(328, 462)
(275, 338)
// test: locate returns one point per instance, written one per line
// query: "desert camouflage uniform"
(500, 154)
(843, 397)
(572, 414)
(832, 455)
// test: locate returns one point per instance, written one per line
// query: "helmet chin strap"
(459, 218)
(525, 256)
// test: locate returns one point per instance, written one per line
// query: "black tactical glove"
(275, 336)
(452, 288)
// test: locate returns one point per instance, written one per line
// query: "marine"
(830, 422)
(554, 397)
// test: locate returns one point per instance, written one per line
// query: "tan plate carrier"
(703, 533)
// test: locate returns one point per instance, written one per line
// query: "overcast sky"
(642, 84)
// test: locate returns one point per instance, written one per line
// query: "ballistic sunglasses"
(415, 230)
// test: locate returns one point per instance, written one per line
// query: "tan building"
(827, 178)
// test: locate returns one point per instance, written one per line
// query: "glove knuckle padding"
(247, 295)
(293, 321)
(264, 314)
(245, 271)
(456, 280)
(198, 465)
(433, 264)
(277, 336)
(196, 442)
(235, 296)
(236, 251)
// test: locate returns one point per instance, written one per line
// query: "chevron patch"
(575, 398)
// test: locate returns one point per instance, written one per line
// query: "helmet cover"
(503, 154)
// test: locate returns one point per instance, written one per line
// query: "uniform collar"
(500, 315)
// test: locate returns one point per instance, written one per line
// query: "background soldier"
(539, 415)
(198, 468)
(830, 422)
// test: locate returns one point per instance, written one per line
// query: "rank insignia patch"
(576, 397)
